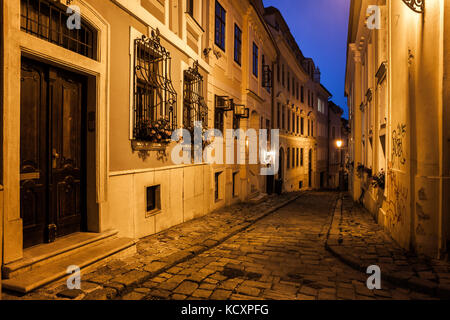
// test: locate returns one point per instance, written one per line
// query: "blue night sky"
(320, 28)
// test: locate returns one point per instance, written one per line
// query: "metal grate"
(194, 106)
(48, 20)
(155, 99)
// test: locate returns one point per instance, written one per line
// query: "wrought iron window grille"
(155, 99)
(48, 20)
(194, 105)
(267, 77)
(416, 5)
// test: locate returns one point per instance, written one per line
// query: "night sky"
(320, 28)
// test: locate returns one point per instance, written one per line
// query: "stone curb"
(163, 264)
(396, 278)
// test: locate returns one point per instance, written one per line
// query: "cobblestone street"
(273, 250)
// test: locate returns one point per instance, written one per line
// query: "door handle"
(55, 158)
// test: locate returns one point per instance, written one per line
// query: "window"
(219, 120)
(297, 91)
(237, 45)
(289, 120)
(220, 26)
(298, 130)
(235, 183)
(217, 189)
(301, 157)
(293, 123)
(153, 196)
(297, 157)
(155, 99)
(293, 158)
(302, 94)
(48, 20)
(282, 75)
(309, 127)
(293, 86)
(288, 81)
(194, 106)
(312, 128)
(288, 158)
(302, 126)
(278, 115)
(278, 72)
(190, 7)
(283, 119)
(255, 60)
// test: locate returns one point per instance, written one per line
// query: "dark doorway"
(52, 154)
(310, 168)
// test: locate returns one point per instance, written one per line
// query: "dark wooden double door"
(52, 152)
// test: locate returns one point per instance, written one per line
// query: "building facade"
(398, 92)
(300, 104)
(93, 91)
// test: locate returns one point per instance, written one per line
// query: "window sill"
(138, 145)
(152, 213)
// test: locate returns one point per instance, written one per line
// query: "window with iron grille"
(237, 44)
(48, 20)
(220, 26)
(155, 99)
(194, 105)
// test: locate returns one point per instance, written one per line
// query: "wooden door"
(52, 153)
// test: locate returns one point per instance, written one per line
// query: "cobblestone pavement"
(159, 252)
(358, 240)
(273, 250)
(280, 257)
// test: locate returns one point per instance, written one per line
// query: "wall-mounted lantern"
(224, 103)
(241, 111)
(415, 5)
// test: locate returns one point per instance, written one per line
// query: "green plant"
(158, 131)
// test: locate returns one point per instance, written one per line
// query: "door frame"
(21, 43)
(55, 76)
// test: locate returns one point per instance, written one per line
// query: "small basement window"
(235, 183)
(217, 188)
(153, 199)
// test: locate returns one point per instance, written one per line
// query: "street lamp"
(339, 145)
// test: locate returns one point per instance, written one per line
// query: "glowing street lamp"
(339, 143)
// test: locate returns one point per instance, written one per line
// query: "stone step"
(46, 253)
(259, 198)
(57, 268)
